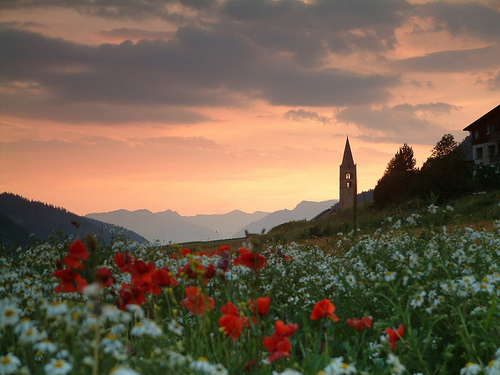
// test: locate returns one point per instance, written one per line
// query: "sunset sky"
(206, 106)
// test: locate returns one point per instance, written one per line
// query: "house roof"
(347, 159)
(491, 116)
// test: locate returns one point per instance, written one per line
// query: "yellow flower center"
(58, 363)
(6, 360)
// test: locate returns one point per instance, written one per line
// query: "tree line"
(446, 174)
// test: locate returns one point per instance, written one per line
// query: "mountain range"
(170, 226)
(22, 219)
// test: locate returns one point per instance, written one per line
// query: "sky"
(207, 106)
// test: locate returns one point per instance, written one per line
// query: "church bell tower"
(348, 179)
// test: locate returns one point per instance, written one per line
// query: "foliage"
(397, 182)
(405, 303)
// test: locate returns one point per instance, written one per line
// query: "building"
(485, 134)
(348, 179)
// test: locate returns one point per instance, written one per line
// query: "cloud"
(302, 115)
(399, 124)
(134, 34)
(490, 79)
(198, 68)
(455, 61)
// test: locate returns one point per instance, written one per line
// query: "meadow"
(411, 297)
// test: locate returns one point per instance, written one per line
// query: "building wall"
(348, 185)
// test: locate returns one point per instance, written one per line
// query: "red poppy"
(247, 258)
(77, 253)
(162, 278)
(185, 252)
(231, 321)
(282, 329)
(261, 307)
(359, 325)
(322, 309)
(191, 270)
(278, 346)
(123, 261)
(70, 281)
(131, 295)
(395, 334)
(209, 272)
(104, 276)
(142, 273)
(197, 302)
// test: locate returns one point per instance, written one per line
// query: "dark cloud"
(135, 34)
(303, 115)
(401, 123)
(469, 19)
(491, 80)
(197, 68)
(455, 61)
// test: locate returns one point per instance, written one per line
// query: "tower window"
(348, 176)
(348, 184)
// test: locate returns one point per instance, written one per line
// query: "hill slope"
(20, 217)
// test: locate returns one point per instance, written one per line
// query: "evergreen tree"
(397, 182)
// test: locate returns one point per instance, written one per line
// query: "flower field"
(392, 302)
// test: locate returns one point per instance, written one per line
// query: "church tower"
(348, 179)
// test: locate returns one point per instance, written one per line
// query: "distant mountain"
(305, 210)
(169, 226)
(20, 217)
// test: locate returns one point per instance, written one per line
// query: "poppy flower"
(142, 272)
(123, 261)
(104, 276)
(278, 346)
(197, 302)
(191, 270)
(231, 321)
(359, 325)
(282, 329)
(261, 306)
(209, 272)
(185, 252)
(131, 295)
(247, 258)
(77, 253)
(324, 308)
(161, 278)
(395, 334)
(70, 281)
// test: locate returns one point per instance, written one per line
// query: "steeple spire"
(347, 159)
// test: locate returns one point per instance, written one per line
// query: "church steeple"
(348, 179)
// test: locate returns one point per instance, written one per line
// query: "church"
(348, 184)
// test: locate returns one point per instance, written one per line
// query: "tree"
(446, 173)
(397, 182)
(403, 161)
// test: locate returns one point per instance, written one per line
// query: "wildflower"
(324, 308)
(338, 366)
(31, 335)
(131, 294)
(77, 253)
(224, 261)
(261, 306)
(432, 209)
(395, 335)
(57, 367)
(121, 370)
(162, 278)
(56, 308)
(45, 346)
(255, 261)
(397, 366)
(146, 327)
(390, 276)
(288, 371)
(9, 315)
(278, 346)
(123, 261)
(9, 364)
(282, 329)
(231, 322)
(104, 276)
(197, 302)
(110, 343)
(203, 365)
(69, 278)
(359, 325)
(471, 368)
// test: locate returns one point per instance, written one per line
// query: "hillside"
(20, 217)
